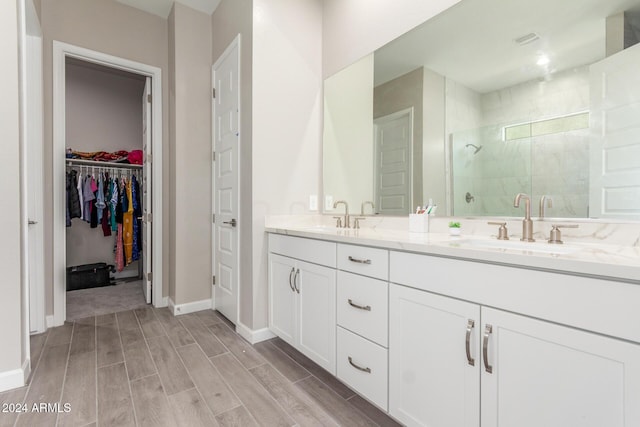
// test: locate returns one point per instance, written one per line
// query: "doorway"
(392, 168)
(148, 270)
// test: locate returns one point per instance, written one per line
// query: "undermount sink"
(516, 245)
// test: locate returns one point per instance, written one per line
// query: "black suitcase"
(88, 276)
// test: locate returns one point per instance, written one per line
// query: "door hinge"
(213, 218)
(213, 92)
(150, 276)
(149, 158)
(213, 282)
(149, 98)
(147, 217)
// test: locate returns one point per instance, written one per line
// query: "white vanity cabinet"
(302, 296)
(534, 373)
(434, 356)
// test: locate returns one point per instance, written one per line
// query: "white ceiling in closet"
(163, 7)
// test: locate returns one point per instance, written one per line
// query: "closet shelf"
(82, 162)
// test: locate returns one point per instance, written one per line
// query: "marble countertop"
(579, 258)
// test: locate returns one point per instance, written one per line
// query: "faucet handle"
(555, 236)
(503, 233)
(338, 221)
(356, 222)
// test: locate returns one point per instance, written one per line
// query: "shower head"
(474, 146)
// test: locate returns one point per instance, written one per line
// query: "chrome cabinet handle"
(290, 273)
(488, 329)
(295, 281)
(467, 342)
(32, 222)
(359, 261)
(367, 370)
(361, 307)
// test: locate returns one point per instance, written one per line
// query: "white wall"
(348, 147)
(287, 113)
(433, 123)
(355, 28)
(11, 217)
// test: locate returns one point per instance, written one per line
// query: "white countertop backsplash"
(608, 249)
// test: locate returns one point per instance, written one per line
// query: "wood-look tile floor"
(145, 367)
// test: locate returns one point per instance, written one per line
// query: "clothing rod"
(108, 165)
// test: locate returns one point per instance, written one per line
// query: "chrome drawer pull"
(295, 281)
(290, 284)
(361, 307)
(359, 261)
(470, 325)
(488, 329)
(367, 370)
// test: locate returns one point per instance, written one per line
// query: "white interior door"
(392, 168)
(615, 131)
(226, 139)
(35, 210)
(146, 191)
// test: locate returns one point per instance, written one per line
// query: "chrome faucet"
(527, 224)
(346, 222)
(368, 202)
(545, 201)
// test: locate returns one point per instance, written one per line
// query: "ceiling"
(473, 43)
(162, 8)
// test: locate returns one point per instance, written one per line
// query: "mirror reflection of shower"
(476, 147)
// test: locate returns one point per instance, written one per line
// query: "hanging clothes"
(113, 204)
(128, 225)
(80, 195)
(74, 201)
(106, 226)
(137, 213)
(119, 249)
(100, 205)
(88, 198)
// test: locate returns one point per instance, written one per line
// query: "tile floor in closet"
(146, 367)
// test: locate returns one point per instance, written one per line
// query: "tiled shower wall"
(556, 165)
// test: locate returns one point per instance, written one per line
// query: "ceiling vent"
(527, 38)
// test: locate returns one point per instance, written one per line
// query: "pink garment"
(94, 186)
(119, 250)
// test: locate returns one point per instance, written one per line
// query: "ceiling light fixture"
(543, 60)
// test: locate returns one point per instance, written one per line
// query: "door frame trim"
(235, 43)
(60, 52)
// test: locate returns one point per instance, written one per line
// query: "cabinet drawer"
(363, 306)
(370, 262)
(363, 366)
(310, 250)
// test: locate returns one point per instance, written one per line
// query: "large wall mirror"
(489, 99)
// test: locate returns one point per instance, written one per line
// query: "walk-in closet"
(105, 126)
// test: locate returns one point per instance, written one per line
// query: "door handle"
(295, 281)
(290, 283)
(32, 222)
(467, 342)
(231, 223)
(488, 329)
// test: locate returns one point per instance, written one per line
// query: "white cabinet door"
(316, 287)
(554, 376)
(432, 381)
(282, 298)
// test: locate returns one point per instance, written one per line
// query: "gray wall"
(103, 113)
(190, 154)
(109, 27)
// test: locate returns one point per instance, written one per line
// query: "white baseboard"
(190, 307)
(254, 336)
(165, 302)
(14, 378)
(49, 321)
(26, 369)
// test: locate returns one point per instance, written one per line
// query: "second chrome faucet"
(527, 223)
